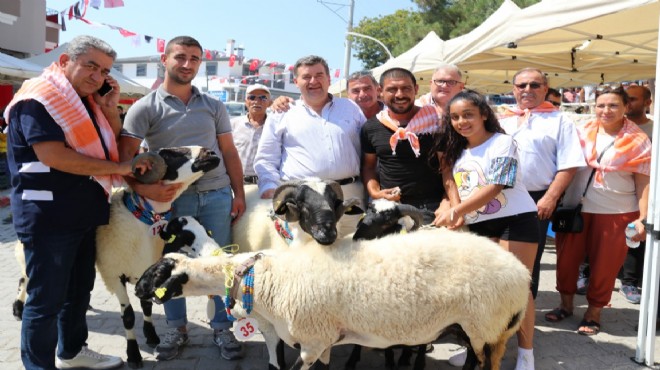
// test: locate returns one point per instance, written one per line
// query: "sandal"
(588, 328)
(557, 315)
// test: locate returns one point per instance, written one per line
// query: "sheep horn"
(334, 185)
(281, 199)
(419, 217)
(157, 171)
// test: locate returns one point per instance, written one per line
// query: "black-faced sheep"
(129, 244)
(400, 289)
(306, 210)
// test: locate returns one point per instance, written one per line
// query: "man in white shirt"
(548, 146)
(319, 136)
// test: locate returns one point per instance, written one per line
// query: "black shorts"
(522, 227)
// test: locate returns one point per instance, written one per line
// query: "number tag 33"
(245, 328)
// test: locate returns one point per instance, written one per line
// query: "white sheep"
(400, 289)
(127, 246)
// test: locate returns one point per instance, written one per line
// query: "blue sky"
(277, 31)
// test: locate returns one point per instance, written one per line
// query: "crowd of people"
(501, 177)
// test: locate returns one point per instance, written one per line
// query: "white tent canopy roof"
(126, 85)
(15, 70)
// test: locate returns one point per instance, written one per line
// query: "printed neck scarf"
(425, 121)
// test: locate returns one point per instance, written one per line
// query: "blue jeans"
(212, 209)
(60, 268)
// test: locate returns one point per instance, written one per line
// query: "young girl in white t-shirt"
(494, 201)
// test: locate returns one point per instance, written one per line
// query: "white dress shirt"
(547, 143)
(300, 143)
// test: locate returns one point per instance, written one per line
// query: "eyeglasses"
(255, 97)
(532, 85)
(450, 83)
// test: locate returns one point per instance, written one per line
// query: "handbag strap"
(594, 170)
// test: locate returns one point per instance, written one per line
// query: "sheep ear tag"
(245, 328)
(157, 227)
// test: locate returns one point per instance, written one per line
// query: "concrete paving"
(557, 346)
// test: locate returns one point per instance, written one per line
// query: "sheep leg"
(134, 358)
(420, 360)
(324, 361)
(19, 303)
(274, 345)
(389, 358)
(354, 357)
(308, 357)
(148, 328)
(471, 361)
(406, 354)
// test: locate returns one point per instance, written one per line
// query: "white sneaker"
(458, 358)
(525, 362)
(89, 359)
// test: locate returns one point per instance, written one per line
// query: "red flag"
(273, 64)
(337, 73)
(232, 60)
(207, 53)
(254, 65)
(160, 45)
(113, 3)
(126, 33)
(290, 68)
(71, 12)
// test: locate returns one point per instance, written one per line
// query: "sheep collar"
(282, 227)
(233, 278)
(142, 210)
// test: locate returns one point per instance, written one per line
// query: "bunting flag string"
(75, 11)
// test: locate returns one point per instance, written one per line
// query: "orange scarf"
(54, 91)
(425, 121)
(544, 107)
(632, 147)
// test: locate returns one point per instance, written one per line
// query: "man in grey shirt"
(174, 115)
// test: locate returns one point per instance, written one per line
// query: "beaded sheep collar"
(142, 210)
(282, 227)
(232, 284)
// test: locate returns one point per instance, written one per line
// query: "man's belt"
(250, 179)
(348, 180)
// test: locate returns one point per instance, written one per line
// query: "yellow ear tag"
(171, 239)
(209, 233)
(160, 292)
(216, 252)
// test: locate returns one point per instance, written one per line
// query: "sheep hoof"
(135, 365)
(156, 172)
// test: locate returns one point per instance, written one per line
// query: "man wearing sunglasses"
(549, 149)
(247, 129)
(554, 97)
(445, 83)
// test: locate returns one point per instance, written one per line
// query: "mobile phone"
(105, 88)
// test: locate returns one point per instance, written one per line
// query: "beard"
(403, 110)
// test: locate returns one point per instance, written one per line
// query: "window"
(211, 68)
(118, 67)
(141, 70)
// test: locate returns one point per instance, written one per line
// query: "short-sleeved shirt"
(548, 143)
(162, 120)
(44, 199)
(418, 177)
(246, 138)
(493, 162)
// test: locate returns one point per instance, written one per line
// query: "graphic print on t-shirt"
(469, 177)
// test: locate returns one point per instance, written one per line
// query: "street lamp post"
(372, 39)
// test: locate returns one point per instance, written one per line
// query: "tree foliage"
(405, 28)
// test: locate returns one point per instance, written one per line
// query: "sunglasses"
(255, 97)
(532, 85)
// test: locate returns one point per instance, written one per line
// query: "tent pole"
(649, 304)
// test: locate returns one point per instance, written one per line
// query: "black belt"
(348, 180)
(250, 179)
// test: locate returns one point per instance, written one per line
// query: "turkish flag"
(254, 65)
(126, 33)
(207, 52)
(337, 73)
(160, 45)
(232, 60)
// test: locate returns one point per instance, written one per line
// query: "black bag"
(568, 219)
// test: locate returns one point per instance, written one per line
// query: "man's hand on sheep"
(237, 209)
(159, 191)
(268, 194)
(393, 194)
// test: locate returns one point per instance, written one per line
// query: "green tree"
(405, 28)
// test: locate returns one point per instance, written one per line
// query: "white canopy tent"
(575, 42)
(15, 70)
(126, 85)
